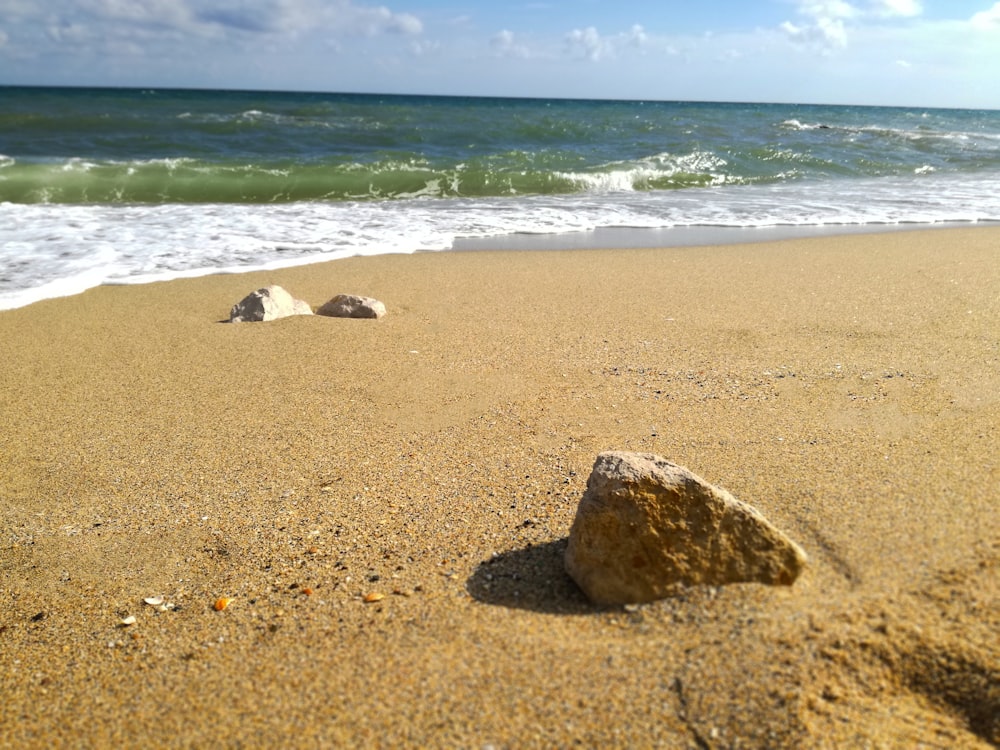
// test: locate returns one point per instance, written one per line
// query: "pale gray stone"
(645, 526)
(269, 303)
(352, 306)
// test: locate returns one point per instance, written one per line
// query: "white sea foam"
(919, 133)
(640, 175)
(56, 250)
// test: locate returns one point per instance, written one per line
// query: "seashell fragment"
(373, 597)
(154, 601)
(127, 621)
(221, 603)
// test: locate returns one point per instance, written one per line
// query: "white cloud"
(823, 26)
(14, 9)
(382, 19)
(505, 44)
(162, 13)
(223, 43)
(208, 17)
(637, 36)
(340, 17)
(826, 22)
(831, 9)
(587, 43)
(987, 19)
(68, 33)
(422, 47)
(904, 8)
(825, 33)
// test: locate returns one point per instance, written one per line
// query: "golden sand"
(385, 504)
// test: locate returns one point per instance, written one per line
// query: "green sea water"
(161, 146)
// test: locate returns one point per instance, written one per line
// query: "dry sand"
(849, 387)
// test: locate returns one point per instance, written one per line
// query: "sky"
(927, 53)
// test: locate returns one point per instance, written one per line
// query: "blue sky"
(890, 52)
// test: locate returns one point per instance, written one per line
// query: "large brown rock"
(645, 525)
(352, 306)
(269, 303)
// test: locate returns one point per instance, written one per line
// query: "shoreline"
(602, 238)
(691, 236)
(846, 386)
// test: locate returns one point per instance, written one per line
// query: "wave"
(256, 118)
(922, 133)
(186, 180)
(406, 175)
(52, 250)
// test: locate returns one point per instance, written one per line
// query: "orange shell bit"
(221, 603)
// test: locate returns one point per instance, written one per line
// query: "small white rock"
(352, 306)
(268, 303)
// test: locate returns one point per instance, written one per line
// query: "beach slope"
(386, 503)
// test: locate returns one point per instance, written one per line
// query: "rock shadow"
(955, 677)
(533, 578)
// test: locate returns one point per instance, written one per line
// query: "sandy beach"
(848, 387)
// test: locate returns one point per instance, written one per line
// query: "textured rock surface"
(269, 303)
(645, 525)
(352, 306)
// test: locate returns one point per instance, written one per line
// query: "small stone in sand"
(267, 303)
(352, 306)
(645, 525)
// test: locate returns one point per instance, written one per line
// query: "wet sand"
(848, 387)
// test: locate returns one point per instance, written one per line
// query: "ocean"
(116, 186)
